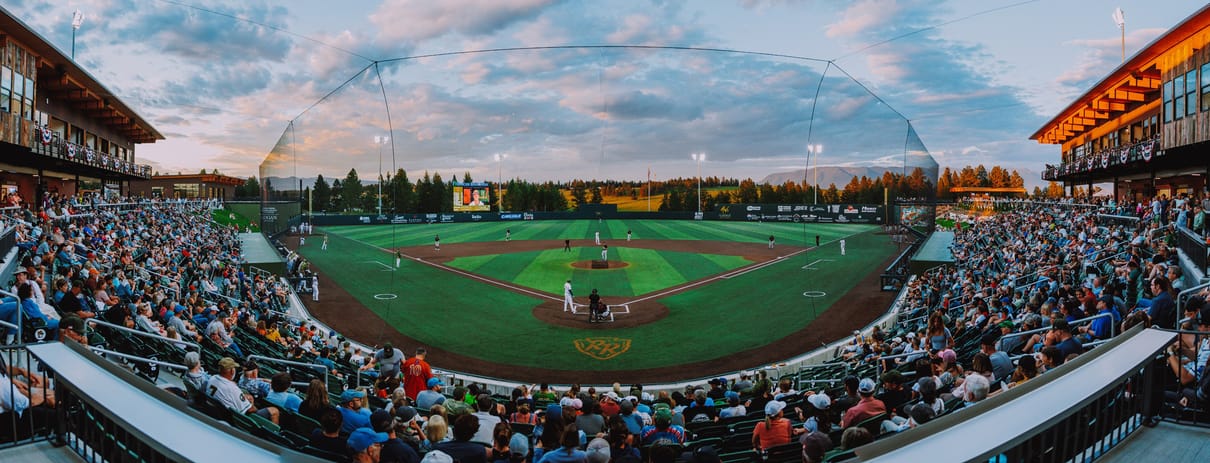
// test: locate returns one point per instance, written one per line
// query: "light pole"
(380, 140)
(77, 20)
(816, 150)
(500, 181)
(699, 157)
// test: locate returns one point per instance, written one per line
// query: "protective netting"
(619, 113)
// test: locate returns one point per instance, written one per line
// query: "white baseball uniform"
(568, 305)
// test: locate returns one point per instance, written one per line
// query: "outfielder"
(842, 247)
(568, 305)
(398, 257)
(325, 245)
(597, 237)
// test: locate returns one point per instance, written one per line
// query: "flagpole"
(649, 189)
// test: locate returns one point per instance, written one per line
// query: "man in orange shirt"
(416, 374)
(867, 407)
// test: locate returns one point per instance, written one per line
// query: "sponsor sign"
(510, 216)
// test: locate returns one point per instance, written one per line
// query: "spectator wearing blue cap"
(431, 396)
(734, 406)
(394, 450)
(366, 445)
(352, 407)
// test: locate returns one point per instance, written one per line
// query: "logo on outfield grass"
(602, 348)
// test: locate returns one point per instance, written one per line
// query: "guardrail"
(1113, 328)
(143, 333)
(1194, 247)
(1076, 412)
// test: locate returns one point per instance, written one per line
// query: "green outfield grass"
(648, 270)
(480, 320)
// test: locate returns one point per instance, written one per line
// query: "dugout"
(934, 252)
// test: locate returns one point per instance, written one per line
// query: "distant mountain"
(841, 175)
(828, 175)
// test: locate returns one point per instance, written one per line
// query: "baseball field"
(689, 298)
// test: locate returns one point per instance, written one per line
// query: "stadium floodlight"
(499, 180)
(699, 157)
(1119, 18)
(816, 150)
(380, 140)
(77, 20)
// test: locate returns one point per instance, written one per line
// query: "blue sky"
(223, 90)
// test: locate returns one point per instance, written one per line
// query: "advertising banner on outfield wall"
(818, 213)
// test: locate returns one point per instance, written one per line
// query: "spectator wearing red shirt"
(775, 430)
(416, 374)
(867, 407)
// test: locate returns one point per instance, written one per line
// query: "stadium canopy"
(592, 112)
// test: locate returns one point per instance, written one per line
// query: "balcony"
(42, 141)
(1144, 150)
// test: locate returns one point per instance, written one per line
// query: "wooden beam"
(1136, 89)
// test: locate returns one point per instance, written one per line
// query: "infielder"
(437, 242)
(605, 252)
(770, 241)
(398, 257)
(508, 234)
(842, 247)
(627, 235)
(302, 241)
(568, 305)
(596, 236)
(325, 245)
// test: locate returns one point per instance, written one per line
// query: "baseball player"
(627, 234)
(770, 241)
(437, 242)
(842, 247)
(566, 245)
(568, 305)
(398, 257)
(302, 241)
(597, 237)
(605, 252)
(325, 245)
(508, 234)
(315, 287)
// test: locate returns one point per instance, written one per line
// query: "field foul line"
(388, 267)
(808, 266)
(469, 275)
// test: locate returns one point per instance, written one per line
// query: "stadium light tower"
(816, 150)
(380, 140)
(500, 180)
(699, 157)
(77, 20)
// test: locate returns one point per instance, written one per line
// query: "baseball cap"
(663, 414)
(866, 386)
(626, 406)
(382, 421)
(519, 445)
(820, 401)
(554, 410)
(362, 438)
(704, 454)
(598, 451)
(350, 394)
(949, 356)
(731, 395)
(227, 363)
(921, 413)
(1005, 324)
(75, 323)
(774, 407)
(815, 445)
(405, 413)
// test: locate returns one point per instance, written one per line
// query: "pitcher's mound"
(597, 264)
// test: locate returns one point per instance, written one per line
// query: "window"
(1206, 87)
(1178, 100)
(6, 87)
(157, 192)
(1168, 101)
(186, 190)
(1191, 92)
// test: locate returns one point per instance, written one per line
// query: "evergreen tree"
(351, 192)
(321, 200)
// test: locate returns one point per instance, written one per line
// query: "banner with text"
(818, 213)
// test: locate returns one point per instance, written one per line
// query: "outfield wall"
(797, 213)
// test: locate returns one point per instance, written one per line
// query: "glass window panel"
(27, 111)
(1168, 91)
(1191, 81)
(4, 101)
(1180, 107)
(1168, 111)
(6, 78)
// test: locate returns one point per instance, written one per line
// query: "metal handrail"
(290, 362)
(144, 333)
(1180, 297)
(1113, 329)
(137, 358)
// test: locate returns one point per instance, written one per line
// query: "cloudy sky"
(223, 80)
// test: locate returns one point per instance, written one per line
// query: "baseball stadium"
(560, 254)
